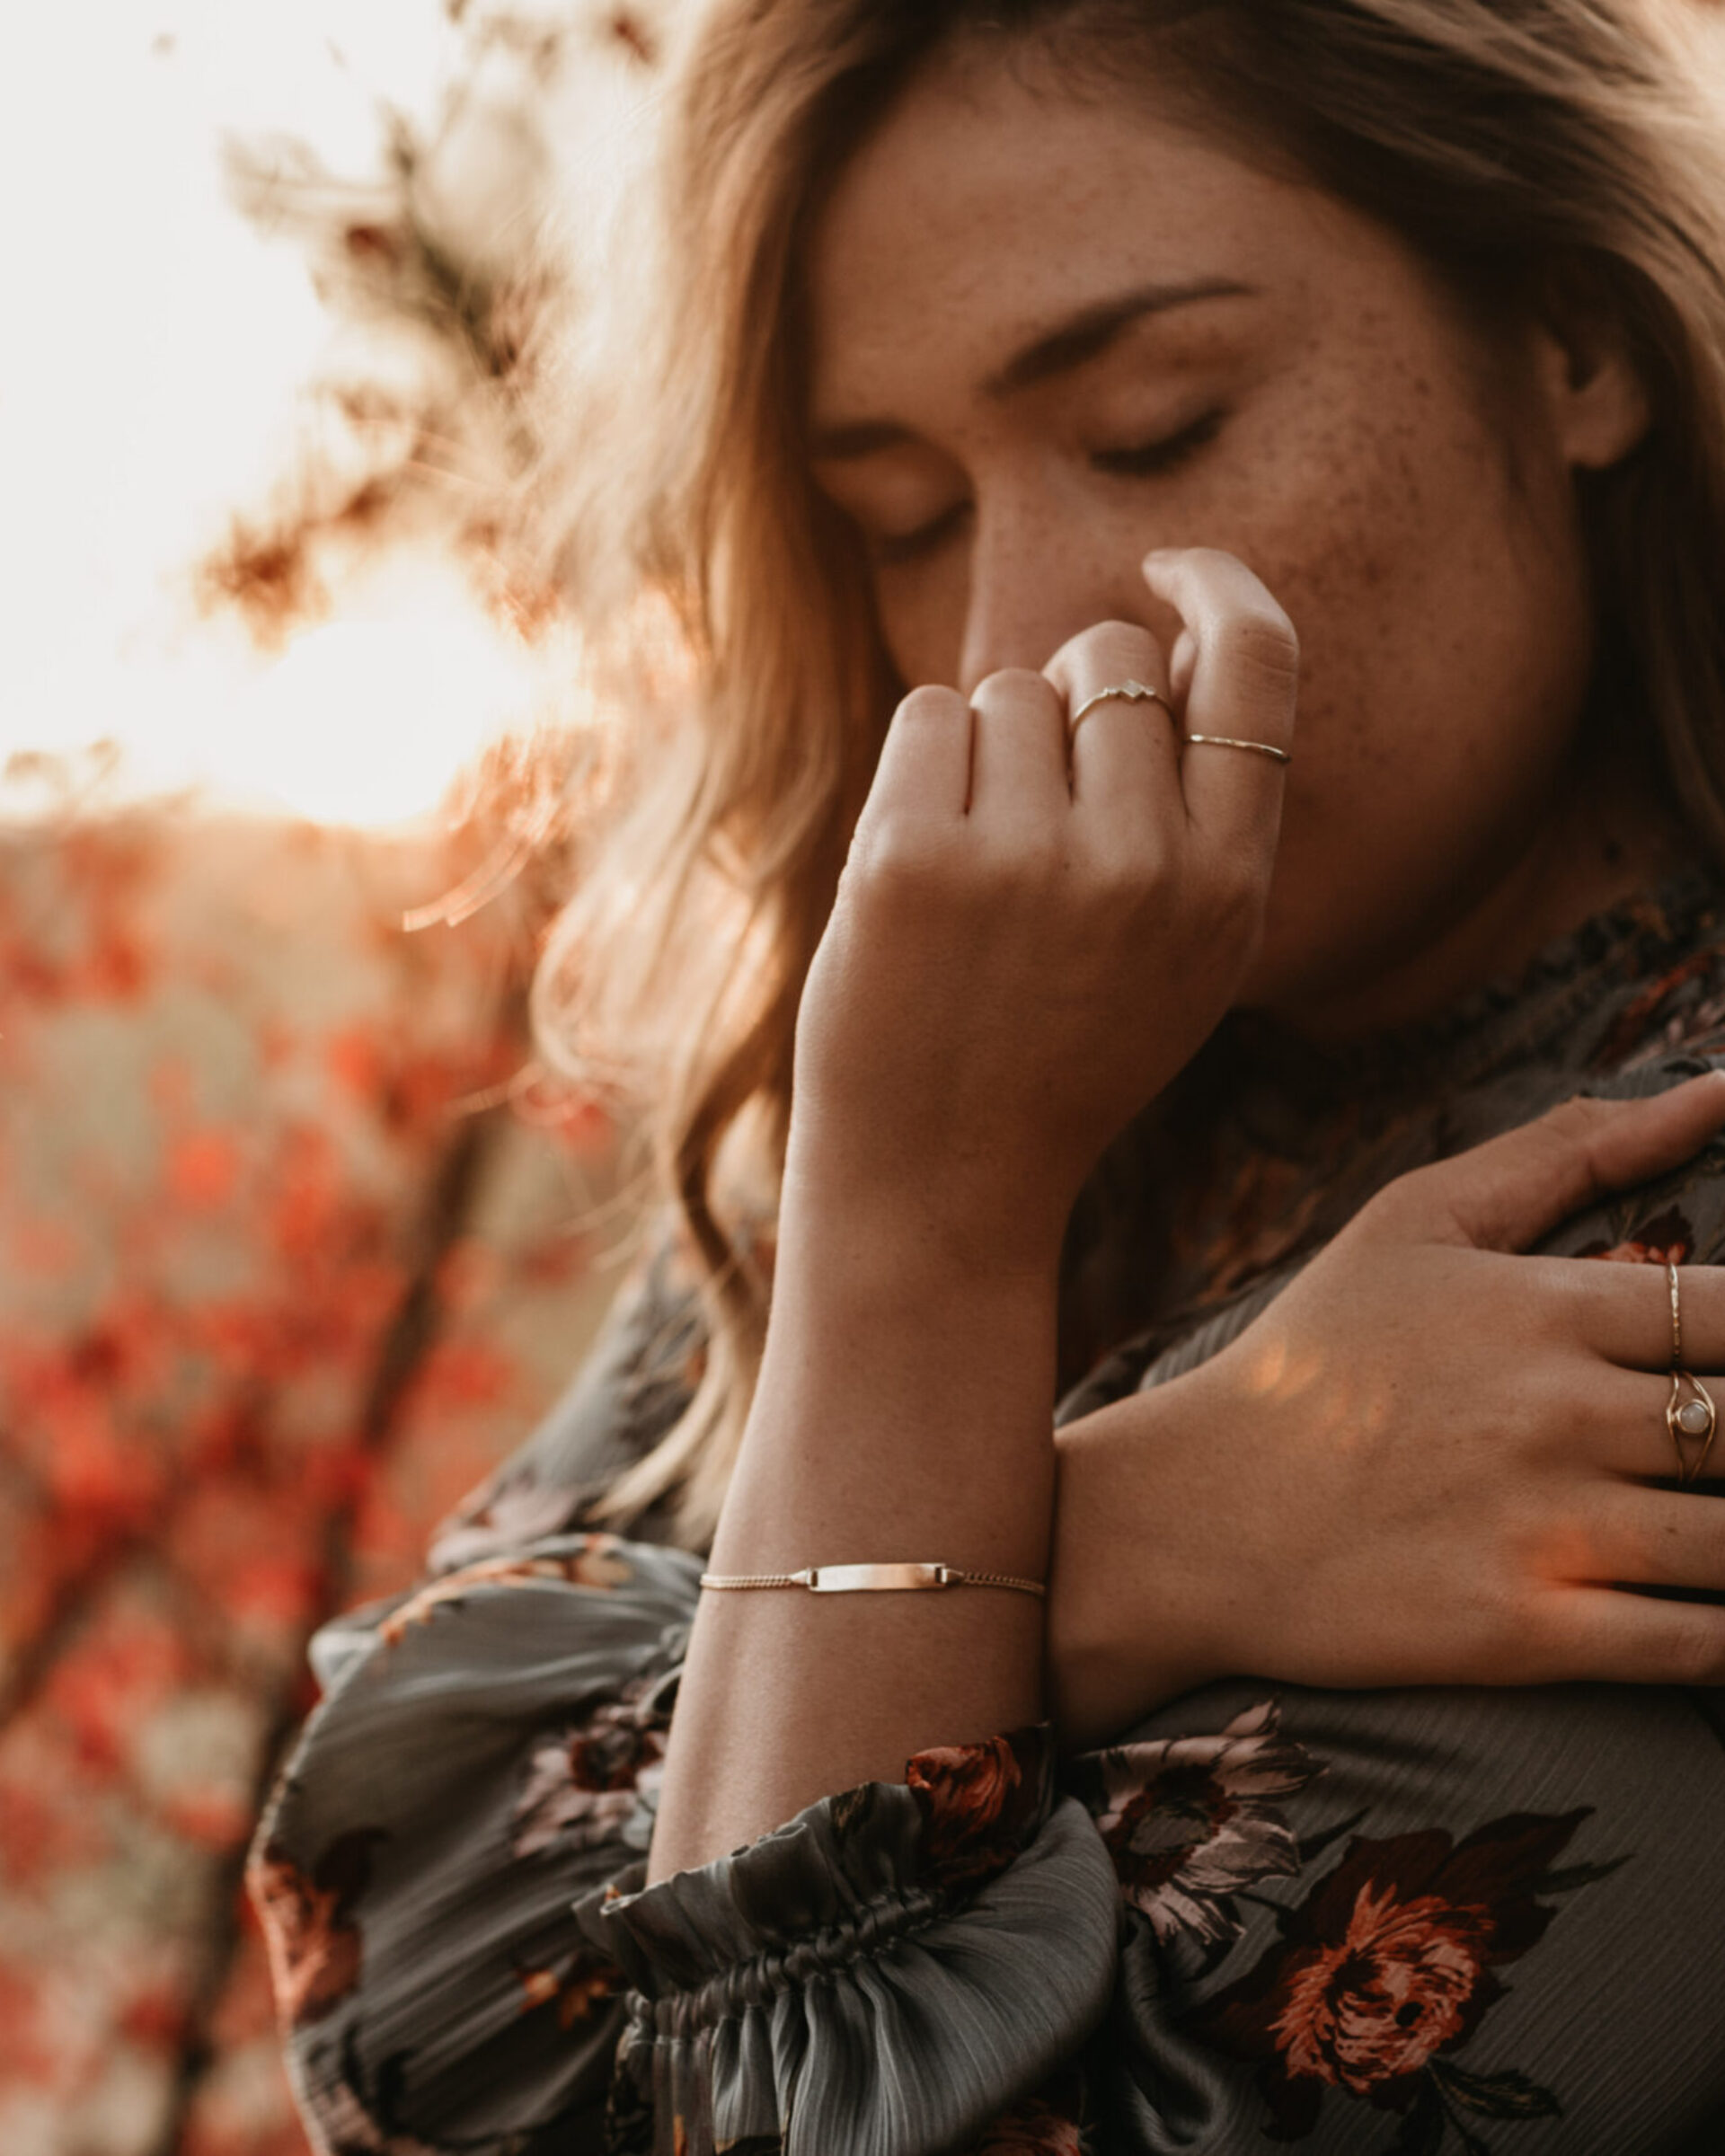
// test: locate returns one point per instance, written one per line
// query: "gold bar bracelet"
(850, 1580)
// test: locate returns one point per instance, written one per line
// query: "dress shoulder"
(636, 1381)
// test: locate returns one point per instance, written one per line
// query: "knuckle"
(897, 856)
(1012, 685)
(1548, 1313)
(931, 704)
(1117, 643)
(1126, 878)
(1541, 1640)
(1574, 1122)
(1695, 1646)
(1239, 886)
(1234, 908)
(1260, 640)
(1104, 648)
(1394, 1209)
(1032, 860)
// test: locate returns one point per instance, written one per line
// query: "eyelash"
(1164, 455)
(1148, 461)
(910, 546)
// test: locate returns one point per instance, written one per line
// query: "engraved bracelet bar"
(850, 1580)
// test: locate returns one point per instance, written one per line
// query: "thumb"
(1505, 1194)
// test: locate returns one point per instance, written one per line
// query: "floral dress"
(1394, 1922)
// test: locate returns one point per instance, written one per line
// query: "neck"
(1602, 842)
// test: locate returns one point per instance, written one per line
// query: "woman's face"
(1054, 330)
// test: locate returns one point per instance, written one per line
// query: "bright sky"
(150, 349)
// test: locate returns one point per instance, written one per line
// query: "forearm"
(904, 1410)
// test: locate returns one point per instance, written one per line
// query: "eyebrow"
(1070, 344)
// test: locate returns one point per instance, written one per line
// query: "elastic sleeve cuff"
(871, 1977)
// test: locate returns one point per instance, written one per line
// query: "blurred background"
(296, 1239)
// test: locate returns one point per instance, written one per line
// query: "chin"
(1315, 964)
(1295, 966)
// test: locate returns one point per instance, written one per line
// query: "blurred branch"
(453, 288)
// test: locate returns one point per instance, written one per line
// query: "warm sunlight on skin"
(1277, 1376)
(1031, 369)
(1273, 1374)
(154, 391)
(1571, 1559)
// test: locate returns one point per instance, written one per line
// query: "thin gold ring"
(1260, 749)
(1125, 692)
(1689, 1414)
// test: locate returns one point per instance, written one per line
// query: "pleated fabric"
(806, 1986)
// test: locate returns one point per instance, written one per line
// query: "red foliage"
(209, 1245)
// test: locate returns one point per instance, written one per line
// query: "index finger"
(1239, 716)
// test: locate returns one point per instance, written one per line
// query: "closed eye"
(1145, 460)
(884, 549)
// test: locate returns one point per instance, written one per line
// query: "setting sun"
(161, 391)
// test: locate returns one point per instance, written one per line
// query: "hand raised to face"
(1037, 928)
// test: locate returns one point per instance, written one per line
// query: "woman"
(1118, 368)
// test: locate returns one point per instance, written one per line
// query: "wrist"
(968, 1229)
(904, 1408)
(1145, 1601)
(882, 1309)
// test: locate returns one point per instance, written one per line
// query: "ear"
(1593, 393)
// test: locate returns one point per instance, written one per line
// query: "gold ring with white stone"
(1689, 1412)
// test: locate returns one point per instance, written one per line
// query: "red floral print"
(1032, 2128)
(1048, 2121)
(1648, 1021)
(1667, 1239)
(314, 1951)
(980, 1803)
(1386, 1970)
(588, 1781)
(578, 1993)
(1398, 1985)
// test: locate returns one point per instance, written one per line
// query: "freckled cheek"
(1392, 582)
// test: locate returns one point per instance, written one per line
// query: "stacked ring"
(1689, 1411)
(1138, 691)
(1125, 692)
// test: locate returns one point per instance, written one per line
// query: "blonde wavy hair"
(1521, 147)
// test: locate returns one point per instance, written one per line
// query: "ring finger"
(1658, 1538)
(1627, 1411)
(1624, 1310)
(1126, 748)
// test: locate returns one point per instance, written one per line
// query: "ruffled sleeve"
(450, 1871)
(451, 1875)
(486, 1753)
(883, 1976)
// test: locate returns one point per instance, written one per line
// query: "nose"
(1036, 579)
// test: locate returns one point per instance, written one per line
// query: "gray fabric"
(1410, 1924)
(812, 1975)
